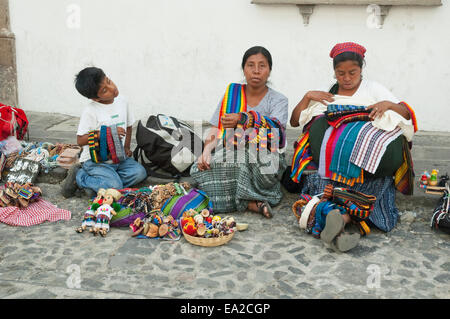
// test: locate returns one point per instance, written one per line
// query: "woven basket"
(208, 242)
(300, 203)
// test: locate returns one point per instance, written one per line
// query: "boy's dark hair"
(88, 81)
(256, 50)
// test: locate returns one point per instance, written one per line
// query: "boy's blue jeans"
(118, 176)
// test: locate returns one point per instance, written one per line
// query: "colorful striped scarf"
(234, 101)
(340, 162)
(371, 145)
(302, 157)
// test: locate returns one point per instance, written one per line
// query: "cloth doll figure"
(105, 211)
(89, 215)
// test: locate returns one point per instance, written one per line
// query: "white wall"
(177, 56)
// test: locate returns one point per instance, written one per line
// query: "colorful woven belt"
(120, 151)
(93, 146)
(103, 144)
(111, 147)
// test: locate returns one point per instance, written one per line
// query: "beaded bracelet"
(103, 144)
(93, 145)
(112, 149)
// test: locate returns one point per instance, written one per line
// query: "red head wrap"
(347, 47)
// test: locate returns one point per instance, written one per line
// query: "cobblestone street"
(272, 259)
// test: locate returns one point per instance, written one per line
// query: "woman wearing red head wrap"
(348, 61)
(322, 136)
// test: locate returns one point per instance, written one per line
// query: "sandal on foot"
(79, 230)
(333, 227)
(346, 241)
(261, 209)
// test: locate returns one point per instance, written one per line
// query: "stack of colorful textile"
(339, 114)
(351, 147)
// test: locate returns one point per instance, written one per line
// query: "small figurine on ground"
(89, 215)
(106, 210)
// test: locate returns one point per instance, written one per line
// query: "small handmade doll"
(89, 215)
(104, 212)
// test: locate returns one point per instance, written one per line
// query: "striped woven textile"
(330, 147)
(323, 148)
(404, 176)
(302, 157)
(234, 101)
(371, 145)
(195, 199)
(231, 185)
(348, 181)
(36, 213)
(334, 108)
(340, 162)
(353, 117)
(253, 128)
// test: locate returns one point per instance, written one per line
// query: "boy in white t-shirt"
(106, 108)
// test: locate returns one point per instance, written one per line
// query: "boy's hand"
(128, 152)
(121, 131)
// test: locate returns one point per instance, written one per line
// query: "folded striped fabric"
(330, 147)
(340, 162)
(348, 181)
(323, 149)
(370, 146)
(302, 157)
(331, 108)
(404, 176)
(347, 118)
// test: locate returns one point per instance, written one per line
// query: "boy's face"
(108, 92)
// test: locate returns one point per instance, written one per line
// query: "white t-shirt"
(97, 114)
(372, 90)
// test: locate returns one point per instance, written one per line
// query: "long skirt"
(385, 213)
(238, 177)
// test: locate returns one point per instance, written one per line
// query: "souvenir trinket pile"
(156, 225)
(19, 195)
(205, 225)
